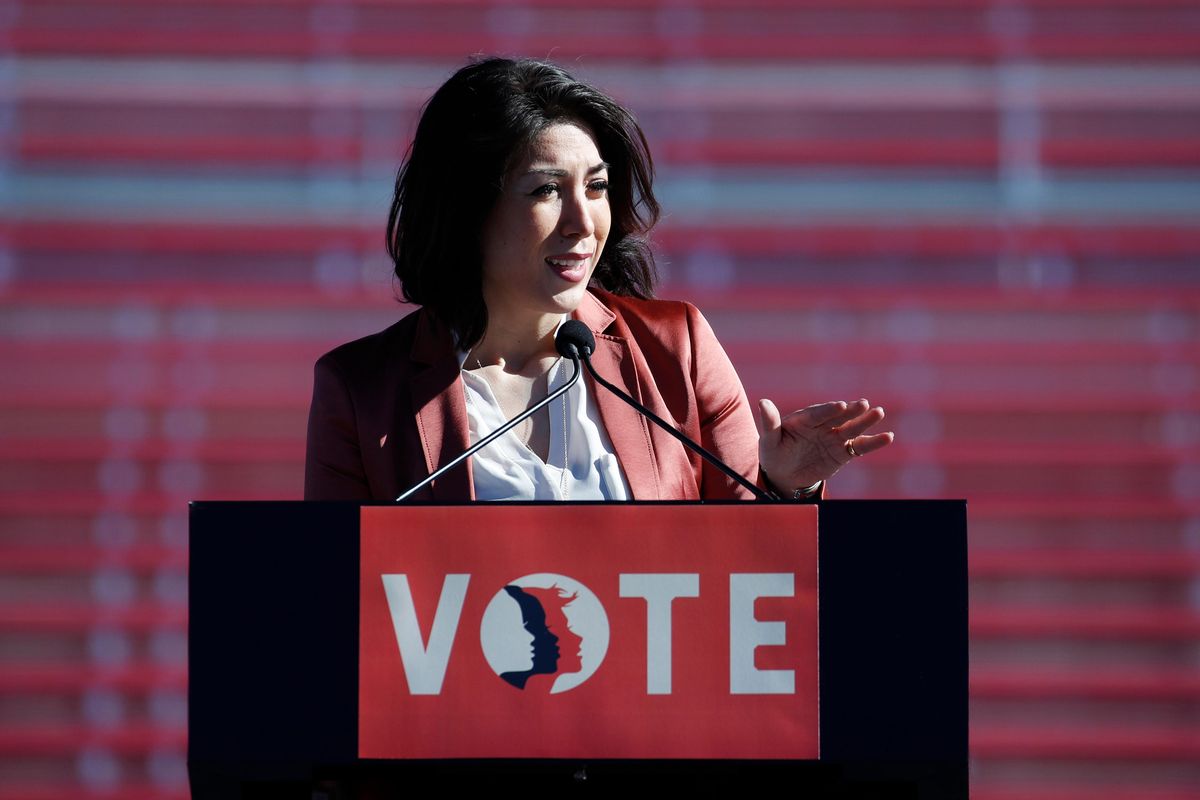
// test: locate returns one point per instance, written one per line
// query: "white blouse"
(582, 463)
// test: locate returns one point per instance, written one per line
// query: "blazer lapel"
(627, 429)
(440, 409)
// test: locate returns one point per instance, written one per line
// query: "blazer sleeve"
(333, 465)
(726, 422)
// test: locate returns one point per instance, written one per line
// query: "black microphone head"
(574, 340)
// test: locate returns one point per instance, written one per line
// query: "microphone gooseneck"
(569, 345)
(575, 341)
(650, 415)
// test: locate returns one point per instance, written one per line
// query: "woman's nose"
(577, 221)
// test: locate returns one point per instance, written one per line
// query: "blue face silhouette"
(545, 644)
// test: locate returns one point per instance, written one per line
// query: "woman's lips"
(570, 266)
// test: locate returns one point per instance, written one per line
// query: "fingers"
(861, 424)
(828, 415)
(814, 443)
(845, 422)
(819, 415)
(768, 415)
(869, 444)
(855, 428)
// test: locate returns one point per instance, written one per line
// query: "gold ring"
(850, 448)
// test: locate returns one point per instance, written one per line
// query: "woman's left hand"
(812, 444)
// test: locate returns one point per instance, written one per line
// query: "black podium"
(273, 664)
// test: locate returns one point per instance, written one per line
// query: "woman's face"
(543, 239)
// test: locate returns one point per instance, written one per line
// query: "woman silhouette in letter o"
(544, 619)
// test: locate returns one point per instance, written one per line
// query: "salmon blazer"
(389, 409)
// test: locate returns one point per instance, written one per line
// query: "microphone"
(576, 336)
(574, 340)
(569, 342)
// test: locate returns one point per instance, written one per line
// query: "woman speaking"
(525, 200)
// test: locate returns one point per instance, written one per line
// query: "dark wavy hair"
(473, 130)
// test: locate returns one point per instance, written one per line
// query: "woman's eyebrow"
(555, 172)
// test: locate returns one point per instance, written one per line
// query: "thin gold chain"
(562, 484)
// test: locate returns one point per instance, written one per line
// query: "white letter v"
(425, 668)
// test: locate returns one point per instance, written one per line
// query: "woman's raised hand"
(812, 444)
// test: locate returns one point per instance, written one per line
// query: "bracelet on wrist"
(806, 493)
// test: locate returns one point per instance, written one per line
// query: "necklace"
(524, 431)
(526, 426)
(562, 403)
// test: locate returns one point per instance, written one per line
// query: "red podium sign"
(606, 631)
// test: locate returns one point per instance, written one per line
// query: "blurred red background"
(981, 213)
